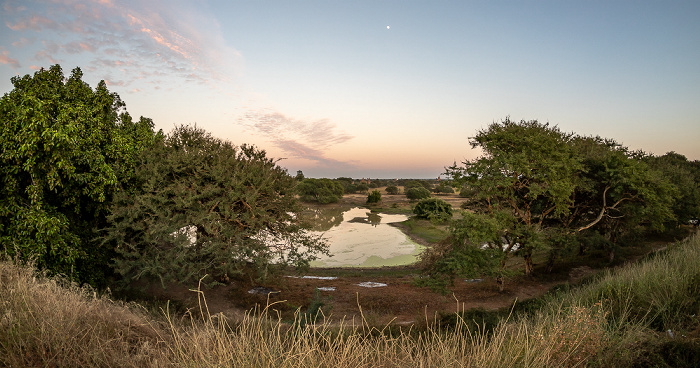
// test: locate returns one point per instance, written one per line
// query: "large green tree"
(65, 150)
(618, 193)
(525, 178)
(206, 207)
(535, 185)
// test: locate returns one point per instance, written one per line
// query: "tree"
(433, 209)
(685, 176)
(537, 182)
(416, 193)
(444, 188)
(617, 195)
(374, 197)
(65, 150)
(392, 189)
(206, 207)
(528, 172)
(320, 190)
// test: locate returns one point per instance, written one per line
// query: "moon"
(387, 27)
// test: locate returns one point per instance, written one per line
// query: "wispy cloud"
(5, 59)
(137, 39)
(299, 139)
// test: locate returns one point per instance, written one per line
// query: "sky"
(373, 88)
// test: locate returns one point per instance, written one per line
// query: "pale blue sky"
(327, 86)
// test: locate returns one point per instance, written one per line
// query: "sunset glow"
(377, 88)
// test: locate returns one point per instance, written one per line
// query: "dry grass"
(48, 323)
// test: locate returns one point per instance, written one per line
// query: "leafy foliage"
(320, 190)
(206, 207)
(685, 176)
(416, 193)
(65, 150)
(392, 189)
(533, 179)
(444, 188)
(374, 197)
(433, 209)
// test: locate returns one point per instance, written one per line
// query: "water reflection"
(323, 219)
(352, 243)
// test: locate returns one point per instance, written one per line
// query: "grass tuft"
(644, 314)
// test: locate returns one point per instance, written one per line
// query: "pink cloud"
(35, 23)
(5, 59)
(152, 40)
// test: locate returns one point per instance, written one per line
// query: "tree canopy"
(533, 179)
(320, 190)
(65, 150)
(206, 207)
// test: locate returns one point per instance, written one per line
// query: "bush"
(320, 190)
(374, 197)
(433, 209)
(417, 193)
(444, 188)
(392, 189)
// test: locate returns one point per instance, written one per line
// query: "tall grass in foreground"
(44, 322)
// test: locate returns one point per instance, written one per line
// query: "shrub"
(374, 197)
(433, 209)
(392, 189)
(417, 193)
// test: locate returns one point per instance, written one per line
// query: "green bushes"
(433, 209)
(374, 197)
(417, 193)
(320, 190)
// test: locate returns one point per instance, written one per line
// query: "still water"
(359, 238)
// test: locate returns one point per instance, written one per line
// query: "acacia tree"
(206, 207)
(618, 193)
(525, 178)
(65, 149)
(542, 186)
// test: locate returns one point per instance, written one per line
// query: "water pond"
(360, 238)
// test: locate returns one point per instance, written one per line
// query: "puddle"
(359, 238)
(262, 291)
(326, 288)
(370, 284)
(314, 277)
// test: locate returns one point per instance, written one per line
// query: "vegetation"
(320, 190)
(640, 315)
(85, 189)
(374, 197)
(207, 208)
(392, 189)
(444, 188)
(433, 209)
(417, 193)
(65, 151)
(536, 187)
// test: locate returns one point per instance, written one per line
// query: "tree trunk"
(550, 260)
(528, 264)
(501, 282)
